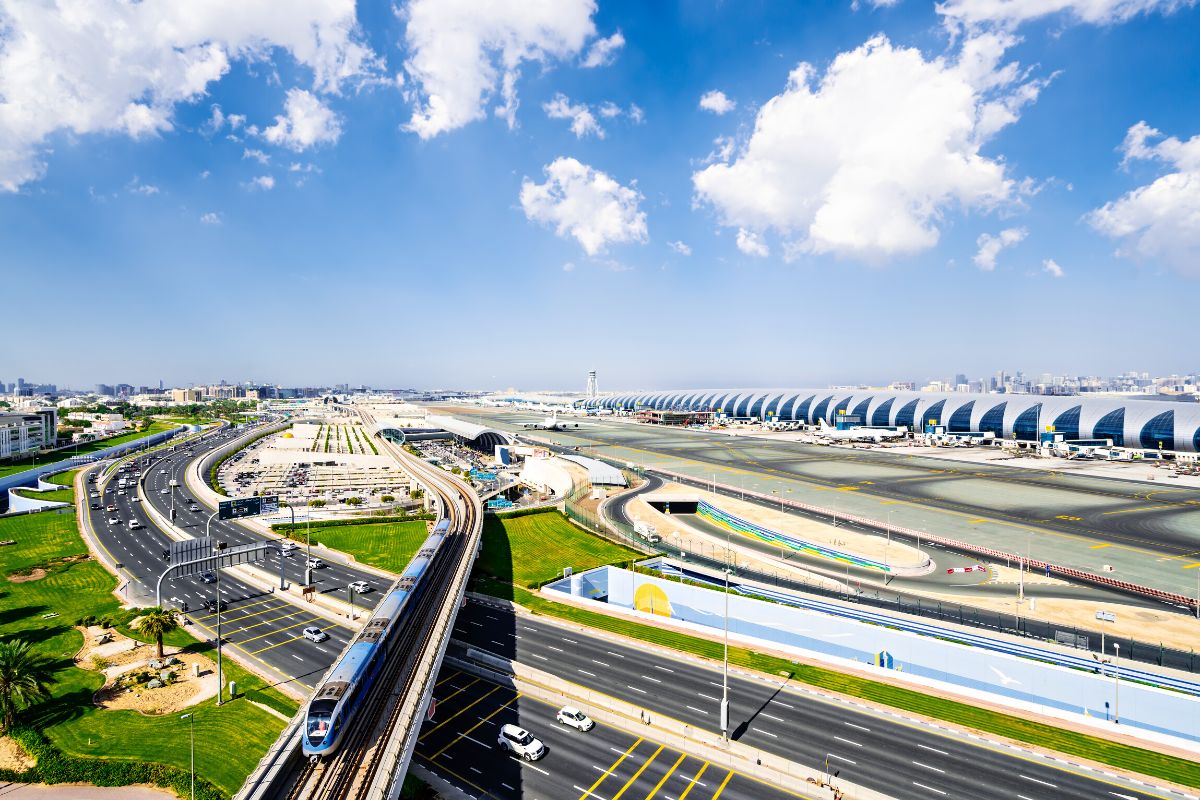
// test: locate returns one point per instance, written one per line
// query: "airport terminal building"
(1148, 424)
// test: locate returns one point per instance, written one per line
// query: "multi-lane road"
(262, 623)
(896, 756)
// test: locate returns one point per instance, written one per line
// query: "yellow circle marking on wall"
(653, 599)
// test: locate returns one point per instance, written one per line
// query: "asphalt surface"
(265, 626)
(605, 763)
(880, 751)
(1149, 530)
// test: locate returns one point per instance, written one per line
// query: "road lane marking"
(460, 689)
(1043, 783)
(655, 680)
(664, 669)
(847, 741)
(927, 766)
(692, 783)
(671, 771)
(609, 771)
(930, 788)
(697, 710)
(636, 689)
(932, 749)
(724, 783)
(470, 730)
(461, 710)
(843, 758)
(860, 727)
(585, 672)
(637, 774)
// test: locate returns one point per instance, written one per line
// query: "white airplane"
(552, 423)
(861, 433)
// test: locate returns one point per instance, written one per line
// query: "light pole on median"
(1117, 683)
(725, 673)
(191, 718)
(350, 592)
(220, 546)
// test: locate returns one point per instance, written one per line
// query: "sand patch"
(35, 574)
(126, 666)
(13, 757)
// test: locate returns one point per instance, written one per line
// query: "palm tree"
(24, 675)
(157, 623)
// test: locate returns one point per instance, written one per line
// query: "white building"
(22, 433)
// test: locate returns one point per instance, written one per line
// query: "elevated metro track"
(374, 757)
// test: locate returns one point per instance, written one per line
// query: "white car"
(315, 634)
(114, 520)
(569, 715)
(360, 587)
(135, 499)
(520, 742)
(165, 491)
(95, 494)
(313, 563)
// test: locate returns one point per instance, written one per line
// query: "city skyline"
(849, 193)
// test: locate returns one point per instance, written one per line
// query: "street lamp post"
(725, 674)
(1117, 683)
(191, 718)
(350, 592)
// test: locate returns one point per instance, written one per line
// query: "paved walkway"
(37, 791)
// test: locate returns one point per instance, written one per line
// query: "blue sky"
(442, 194)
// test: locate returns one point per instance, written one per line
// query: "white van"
(520, 742)
(646, 531)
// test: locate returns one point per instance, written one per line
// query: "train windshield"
(318, 726)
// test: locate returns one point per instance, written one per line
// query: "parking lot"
(460, 744)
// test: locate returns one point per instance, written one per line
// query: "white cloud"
(1051, 267)
(264, 182)
(1014, 12)
(306, 122)
(110, 66)
(257, 155)
(990, 246)
(608, 109)
(211, 218)
(603, 51)
(752, 244)
(136, 186)
(636, 114)
(584, 203)
(716, 102)
(1158, 222)
(583, 121)
(569, 266)
(204, 175)
(680, 247)
(460, 50)
(864, 160)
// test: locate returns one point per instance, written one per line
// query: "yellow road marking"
(637, 774)
(691, 784)
(471, 729)
(1134, 510)
(462, 689)
(609, 771)
(456, 713)
(297, 612)
(670, 772)
(724, 783)
(977, 520)
(225, 614)
(280, 644)
(1193, 566)
(449, 677)
(442, 767)
(272, 633)
(1099, 546)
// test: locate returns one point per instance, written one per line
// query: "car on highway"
(574, 718)
(162, 472)
(314, 563)
(193, 507)
(315, 634)
(111, 507)
(94, 494)
(211, 605)
(520, 742)
(135, 525)
(114, 520)
(208, 577)
(95, 506)
(360, 587)
(165, 491)
(135, 499)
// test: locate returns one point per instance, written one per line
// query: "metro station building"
(1145, 424)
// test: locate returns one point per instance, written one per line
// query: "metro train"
(332, 708)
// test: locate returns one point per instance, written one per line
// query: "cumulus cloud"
(257, 155)
(608, 109)
(211, 218)
(583, 121)
(864, 160)
(110, 66)
(137, 187)
(1158, 222)
(462, 53)
(604, 51)
(586, 204)
(264, 182)
(306, 122)
(990, 246)
(680, 247)
(1011, 13)
(716, 102)
(1051, 267)
(752, 244)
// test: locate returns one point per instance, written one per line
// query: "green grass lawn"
(1136, 759)
(75, 587)
(531, 549)
(387, 545)
(20, 465)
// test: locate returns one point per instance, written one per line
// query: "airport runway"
(1149, 533)
(899, 757)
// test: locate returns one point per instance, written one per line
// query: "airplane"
(862, 433)
(552, 423)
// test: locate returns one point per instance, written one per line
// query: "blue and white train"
(332, 707)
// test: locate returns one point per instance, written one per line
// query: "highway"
(265, 626)
(878, 750)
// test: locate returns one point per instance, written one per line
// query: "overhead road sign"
(247, 507)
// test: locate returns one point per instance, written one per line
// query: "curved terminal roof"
(1144, 424)
(598, 471)
(478, 435)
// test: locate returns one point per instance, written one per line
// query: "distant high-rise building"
(960, 379)
(592, 387)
